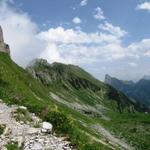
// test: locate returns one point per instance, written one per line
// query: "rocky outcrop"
(1, 35)
(28, 135)
(50, 74)
(3, 46)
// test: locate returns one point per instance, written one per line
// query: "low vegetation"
(12, 146)
(134, 128)
(2, 127)
(22, 115)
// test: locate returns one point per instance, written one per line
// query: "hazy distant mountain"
(146, 77)
(140, 91)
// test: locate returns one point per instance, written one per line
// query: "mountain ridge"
(137, 90)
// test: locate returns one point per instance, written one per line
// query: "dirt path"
(26, 135)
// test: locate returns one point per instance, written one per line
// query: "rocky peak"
(146, 77)
(3, 46)
(108, 79)
(1, 35)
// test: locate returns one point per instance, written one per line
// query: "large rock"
(47, 127)
(22, 107)
(3, 46)
(1, 35)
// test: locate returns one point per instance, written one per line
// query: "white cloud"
(20, 33)
(60, 35)
(133, 64)
(76, 20)
(144, 6)
(147, 53)
(114, 30)
(83, 2)
(99, 14)
(139, 49)
(80, 47)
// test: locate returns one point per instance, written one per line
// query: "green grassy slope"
(19, 87)
(75, 82)
(72, 90)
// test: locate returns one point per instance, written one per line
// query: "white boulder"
(47, 127)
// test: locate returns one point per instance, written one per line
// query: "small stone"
(21, 122)
(41, 140)
(20, 141)
(23, 107)
(31, 141)
(33, 131)
(37, 146)
(7, 131)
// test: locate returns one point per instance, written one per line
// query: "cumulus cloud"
(21, 34)
(79, 47)
(83, 2)
(114, 30)
(140, 49)
(76, 20)
(98, 14)
(144, 6)
(67, 36)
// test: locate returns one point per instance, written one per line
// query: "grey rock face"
(3, 46)
(1, 35)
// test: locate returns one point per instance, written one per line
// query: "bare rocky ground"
(26, 134)
(83, 108)
(111, 138)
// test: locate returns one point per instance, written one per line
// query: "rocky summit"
(3, 46)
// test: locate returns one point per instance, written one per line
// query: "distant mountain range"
(139, 91)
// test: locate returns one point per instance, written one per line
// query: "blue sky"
(102, 36)
(119, 12)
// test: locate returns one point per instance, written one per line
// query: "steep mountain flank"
(74, 81)
(138, 91)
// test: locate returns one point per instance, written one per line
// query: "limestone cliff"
(3, 46)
